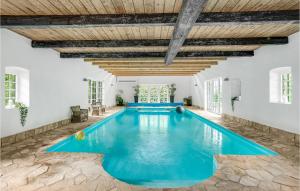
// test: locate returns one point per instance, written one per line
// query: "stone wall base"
(278, 134)
(32, 132)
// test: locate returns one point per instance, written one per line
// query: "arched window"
(16, 86)
(281, 85)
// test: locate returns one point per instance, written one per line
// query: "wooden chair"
(79, 115)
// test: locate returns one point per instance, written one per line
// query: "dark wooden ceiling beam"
(154, 66)
(170, 19)
(164, 42)
(157, 54)
(216, 53)
(88, 20)
(252, 17)
(147, 60)
(98, 43)
(187, 17)
(153, 63)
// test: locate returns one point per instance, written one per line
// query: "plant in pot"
(119, 100)
(172, 90)
(187, 101)
(136, 93)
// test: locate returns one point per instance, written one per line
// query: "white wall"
(254, 75)
(55, 83)
(182, 85)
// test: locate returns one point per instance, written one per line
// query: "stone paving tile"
(25, 165)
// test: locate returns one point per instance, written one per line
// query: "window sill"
(282, 103)
(10, 107)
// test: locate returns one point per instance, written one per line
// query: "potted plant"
(119, 100)
(136, 93)
(172, 90)
(187, 101)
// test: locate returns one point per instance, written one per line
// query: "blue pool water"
(157, 147)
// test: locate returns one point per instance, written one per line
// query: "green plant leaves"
(23, 109)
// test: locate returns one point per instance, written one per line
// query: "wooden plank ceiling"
(83, 7)
(240, 31)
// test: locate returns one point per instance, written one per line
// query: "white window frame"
(211, 86)
(159, 88)
(98, 92)
(14, 99)
(283, 98)
(276, 85)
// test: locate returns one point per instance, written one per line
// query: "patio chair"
(79, 115)
(97, 107)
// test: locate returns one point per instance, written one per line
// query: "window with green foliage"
(286, 88)
(154, 93)
(10, 90)
(143, 94)
(281, 85)
(89, 91)
(164, 94)
(99, 92)
(95, 92)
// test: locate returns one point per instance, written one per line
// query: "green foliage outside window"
(95, 91)
(10, 89)
(216, 98)
(164, 94)
(143, 94)
(89, 91)
(154, 93)
(286, 87)
(214, 95)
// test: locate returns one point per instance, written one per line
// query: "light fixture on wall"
(85, 79)
(196, 84)
(226, 79)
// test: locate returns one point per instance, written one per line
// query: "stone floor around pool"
(25, 165)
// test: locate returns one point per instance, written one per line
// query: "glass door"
(214, 95)
(154, 93)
